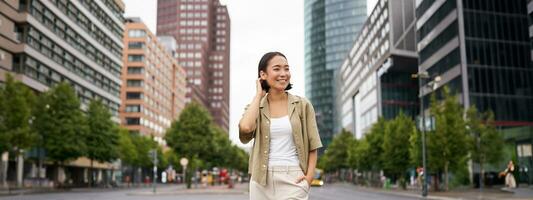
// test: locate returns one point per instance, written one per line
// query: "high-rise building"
(331, 27)
(153, 93)
(375, 78)
(482, 51)
(79, 42)
(202, 31)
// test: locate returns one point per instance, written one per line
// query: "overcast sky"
(257, 27)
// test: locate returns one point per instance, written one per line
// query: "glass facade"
(331, 27)
(490, 67)
(500, 74)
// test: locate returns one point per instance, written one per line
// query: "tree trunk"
(91, 174)
(446, 179)
(436, 182)
(20, 167)
(481, 173)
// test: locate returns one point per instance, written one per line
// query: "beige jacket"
(304, 132)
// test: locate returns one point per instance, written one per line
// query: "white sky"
(257, 27)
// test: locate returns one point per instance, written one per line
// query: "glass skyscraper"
(330, 29)
(482, 51)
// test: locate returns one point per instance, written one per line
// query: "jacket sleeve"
(312, 129)
(246, 137)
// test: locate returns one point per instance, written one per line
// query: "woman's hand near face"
(259, 90)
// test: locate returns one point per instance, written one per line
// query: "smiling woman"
(284, 153)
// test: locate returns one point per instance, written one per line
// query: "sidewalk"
(180, 189)
(495, 193)
(23, 191)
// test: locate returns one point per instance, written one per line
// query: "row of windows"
(75, 40)
(134, 95)
(136, 33)
(115, 9)
(193, 14)
(444, 37)
(53, 51)
(38, 71)
(134, 83)
(504, 108)
(103, 17)
(496, 26)
(423, 7)
(500, 81)
(135, 57)
(136, 45)
(513, 7)
(193, 7)
(435, 19)
(135, 70)
(443, 65)
(503, 54)
(133, 108)
(79, 18)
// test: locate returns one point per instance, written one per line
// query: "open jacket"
(304, 131)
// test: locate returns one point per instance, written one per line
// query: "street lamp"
(433, 84)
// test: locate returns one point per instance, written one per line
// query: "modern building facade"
(482, 51)
(375, 78)
(153, 93)
(330, 29)
(202, 31)
(43, 43)
(79, 42)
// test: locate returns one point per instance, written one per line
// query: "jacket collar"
(265, 110)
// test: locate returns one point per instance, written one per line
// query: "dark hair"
(263, 64)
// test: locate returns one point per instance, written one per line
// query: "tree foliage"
(396, 145)
(448, 145)
(102, 138)
(16, 104)
(61, 123)
(336, 156)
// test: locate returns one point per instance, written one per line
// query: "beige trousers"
(281, 185)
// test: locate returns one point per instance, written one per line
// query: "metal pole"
(155, 169)
(423, 129)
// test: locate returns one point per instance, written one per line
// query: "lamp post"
(433, 83)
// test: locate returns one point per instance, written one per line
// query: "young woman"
(283, 126)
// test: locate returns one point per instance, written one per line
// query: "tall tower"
(202, 31)
(331, 27)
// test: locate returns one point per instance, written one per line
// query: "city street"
(337, 192)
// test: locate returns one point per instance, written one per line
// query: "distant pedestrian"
(285, 134)
(510, 182)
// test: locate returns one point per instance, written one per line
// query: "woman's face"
(277, 73)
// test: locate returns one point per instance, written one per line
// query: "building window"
(135, 33)
(135, 70)
(136, 45)
(135, 58)
(134, 95)
(133, 121)
(133, 108)
(134, 83)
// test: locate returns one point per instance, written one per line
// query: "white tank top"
(282, 149)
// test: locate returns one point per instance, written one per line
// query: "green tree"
(336, 156)
(15, 120)
(415, 148)
(102, 139)
(448, 145)
(192, 134)
(375, 140)
(487, 143)
(143, 145)
(127, 151)
(395, 147)
(61, 124)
